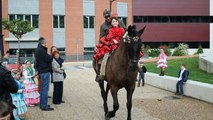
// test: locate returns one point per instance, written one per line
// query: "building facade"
(169, 22)
(71, 25)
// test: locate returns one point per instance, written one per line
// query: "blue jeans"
(179, 87)
(45, 81)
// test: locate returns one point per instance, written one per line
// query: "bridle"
(128, 39)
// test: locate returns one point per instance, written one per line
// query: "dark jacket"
(185, 75)
(43, 60)
(7, 85)
(142, 69)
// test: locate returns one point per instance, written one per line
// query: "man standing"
(43, 66)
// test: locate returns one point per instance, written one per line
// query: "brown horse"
(121, 70)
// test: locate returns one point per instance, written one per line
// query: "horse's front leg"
(129, 102)
(104, 96)
(110, 114)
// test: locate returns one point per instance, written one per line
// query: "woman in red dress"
(110, 42)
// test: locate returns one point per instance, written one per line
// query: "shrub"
(181, 50)
(199, 50)
(153, 52)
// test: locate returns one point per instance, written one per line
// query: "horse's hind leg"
(104, 96)
(115, 104)
(129, 102)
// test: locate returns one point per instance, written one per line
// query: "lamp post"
(110, 5)
(1, 35)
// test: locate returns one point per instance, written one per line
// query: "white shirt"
(181, 73)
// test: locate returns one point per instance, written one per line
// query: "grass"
(196, 74)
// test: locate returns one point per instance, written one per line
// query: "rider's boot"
(98, 79)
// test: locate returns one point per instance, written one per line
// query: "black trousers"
(57, 92)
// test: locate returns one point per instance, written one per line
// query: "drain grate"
(171, 97)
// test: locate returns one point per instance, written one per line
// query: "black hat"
(106, 13)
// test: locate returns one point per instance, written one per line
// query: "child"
(32, 97)
(18, 99)
(142, 71)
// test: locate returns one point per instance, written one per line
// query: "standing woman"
(58, 78)
(52, 49)
(162, 62)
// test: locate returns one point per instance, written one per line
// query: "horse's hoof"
(110, 114)
(107, 118)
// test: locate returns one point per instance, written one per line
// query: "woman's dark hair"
(5, 109)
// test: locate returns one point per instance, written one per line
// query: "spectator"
(54, 48)
(183, 75)
(58, 78)
(18, 99)
(5, 111)
(32, 96)
(43, 66)
(5, 60)
(7, 86)
(142, 71)
(162, 62)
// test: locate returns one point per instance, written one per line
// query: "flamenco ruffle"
(32, 101)
(20, 107)
(31, 94)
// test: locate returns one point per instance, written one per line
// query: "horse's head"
(134, 43)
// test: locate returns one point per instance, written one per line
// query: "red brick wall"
(5, 15)
(74, 26)
(45, 21)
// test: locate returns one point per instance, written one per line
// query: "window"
(88, 21)
(124, 19)
(20, 17)
(58, 21)
(28, 18)
(11, 17)
(33, 19)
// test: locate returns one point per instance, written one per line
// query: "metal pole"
(110, 5)
(77, 49)
(1, 35)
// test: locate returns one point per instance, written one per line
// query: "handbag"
(64, 74)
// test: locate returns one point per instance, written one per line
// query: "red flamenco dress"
(109, 43)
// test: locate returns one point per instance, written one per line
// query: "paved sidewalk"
(83, 101)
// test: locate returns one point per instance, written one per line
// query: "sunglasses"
(107, 17)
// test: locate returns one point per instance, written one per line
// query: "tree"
(18, 28)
